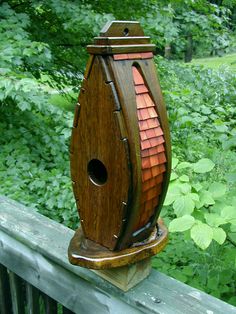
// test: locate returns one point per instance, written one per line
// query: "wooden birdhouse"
(120, 152)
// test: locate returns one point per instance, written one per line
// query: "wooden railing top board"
(35, 248)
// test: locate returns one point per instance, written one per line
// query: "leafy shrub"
(34, 167)
(203, 207)
(200, 204)
(34, 163)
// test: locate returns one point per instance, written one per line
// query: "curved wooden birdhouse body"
(120, 148)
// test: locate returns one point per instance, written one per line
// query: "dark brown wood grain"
(122, 28)
(121, 40)
(121, 122)
(97, 137)
(109, 50)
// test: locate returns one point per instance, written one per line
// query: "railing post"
(5, 296)
(17, 293)
(32, 299)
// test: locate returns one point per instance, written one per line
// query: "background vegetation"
(42, 54)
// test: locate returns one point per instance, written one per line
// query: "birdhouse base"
(86, 253)
(126, 277)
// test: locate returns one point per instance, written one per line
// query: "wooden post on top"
(120, 156)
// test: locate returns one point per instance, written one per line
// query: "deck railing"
(35, 276)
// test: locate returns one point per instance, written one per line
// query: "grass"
(216, 62)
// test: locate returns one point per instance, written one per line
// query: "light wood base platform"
(126, 277)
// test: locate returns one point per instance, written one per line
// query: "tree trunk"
(189, 49)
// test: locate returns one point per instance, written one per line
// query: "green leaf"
(185, 188)
(206, 198)
(184, 178)
(177, 274)
(213, 281)
(173, 176)
(219, 235)
(203, 165)
(229, 143)
(188, 271)
(214, 220)
(217, 189)
(194, 197)
(174, 162)
(172, 194)
(202, 235)
(221, 128)
(183, 205)
(184, 165)
(229, 214)
(181, 224)
(24, 106)
(226, 276)
(197, 186)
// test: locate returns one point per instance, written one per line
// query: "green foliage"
(201, 26)
(200, 204)
(44, 43)
(196, 204)
(45, 37)
(34, 164)
(18, 55)
(34, 167)
(211, 270)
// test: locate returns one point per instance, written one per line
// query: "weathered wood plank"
(65, 286)
(17, 293)
(5, 296)
(39, 247)
(32, 299)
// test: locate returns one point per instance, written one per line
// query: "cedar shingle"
(143, 135)
(158, 131)
(146, 163)
(146, 174)
(144, 113)
(145, 144)
(153, 123)
(121, 56)
(152, 112)
(140, 101)
(143, 125)
(138, 80)
(134, 56)
(161, 158)
(140, 89)
(146, 55)
(148, 100)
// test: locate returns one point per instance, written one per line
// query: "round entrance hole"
(126, 32)
(97, 172)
